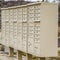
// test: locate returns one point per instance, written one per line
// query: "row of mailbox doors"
(21, 34)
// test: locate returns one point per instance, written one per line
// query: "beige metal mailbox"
(3, 28)
(31, 28)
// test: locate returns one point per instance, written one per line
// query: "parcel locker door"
(37, 38)
(15, 11)
(3, 16)
(30, 37)
(24, 35)
(3, 32)
(19, 36)
(7, 15)
(11, 27)
(15, 28)
(19, 15)
(24, 14)
(11, 14)
(37, 13)
(7, 27)
(3, 27)
(31, 14)
(19, 27)
(15, 34)
(11, 34)
(7, 33)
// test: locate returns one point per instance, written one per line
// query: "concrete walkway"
(4, 57)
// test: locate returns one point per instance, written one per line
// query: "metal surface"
(31, 29)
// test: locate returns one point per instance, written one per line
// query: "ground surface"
(5, 57)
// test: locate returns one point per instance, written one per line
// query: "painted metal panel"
(19, 36)
(7, 33)
(31, 29)
(24, 37)
(15, 34)
(31, 38)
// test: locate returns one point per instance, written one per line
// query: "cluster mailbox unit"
(31, 28)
